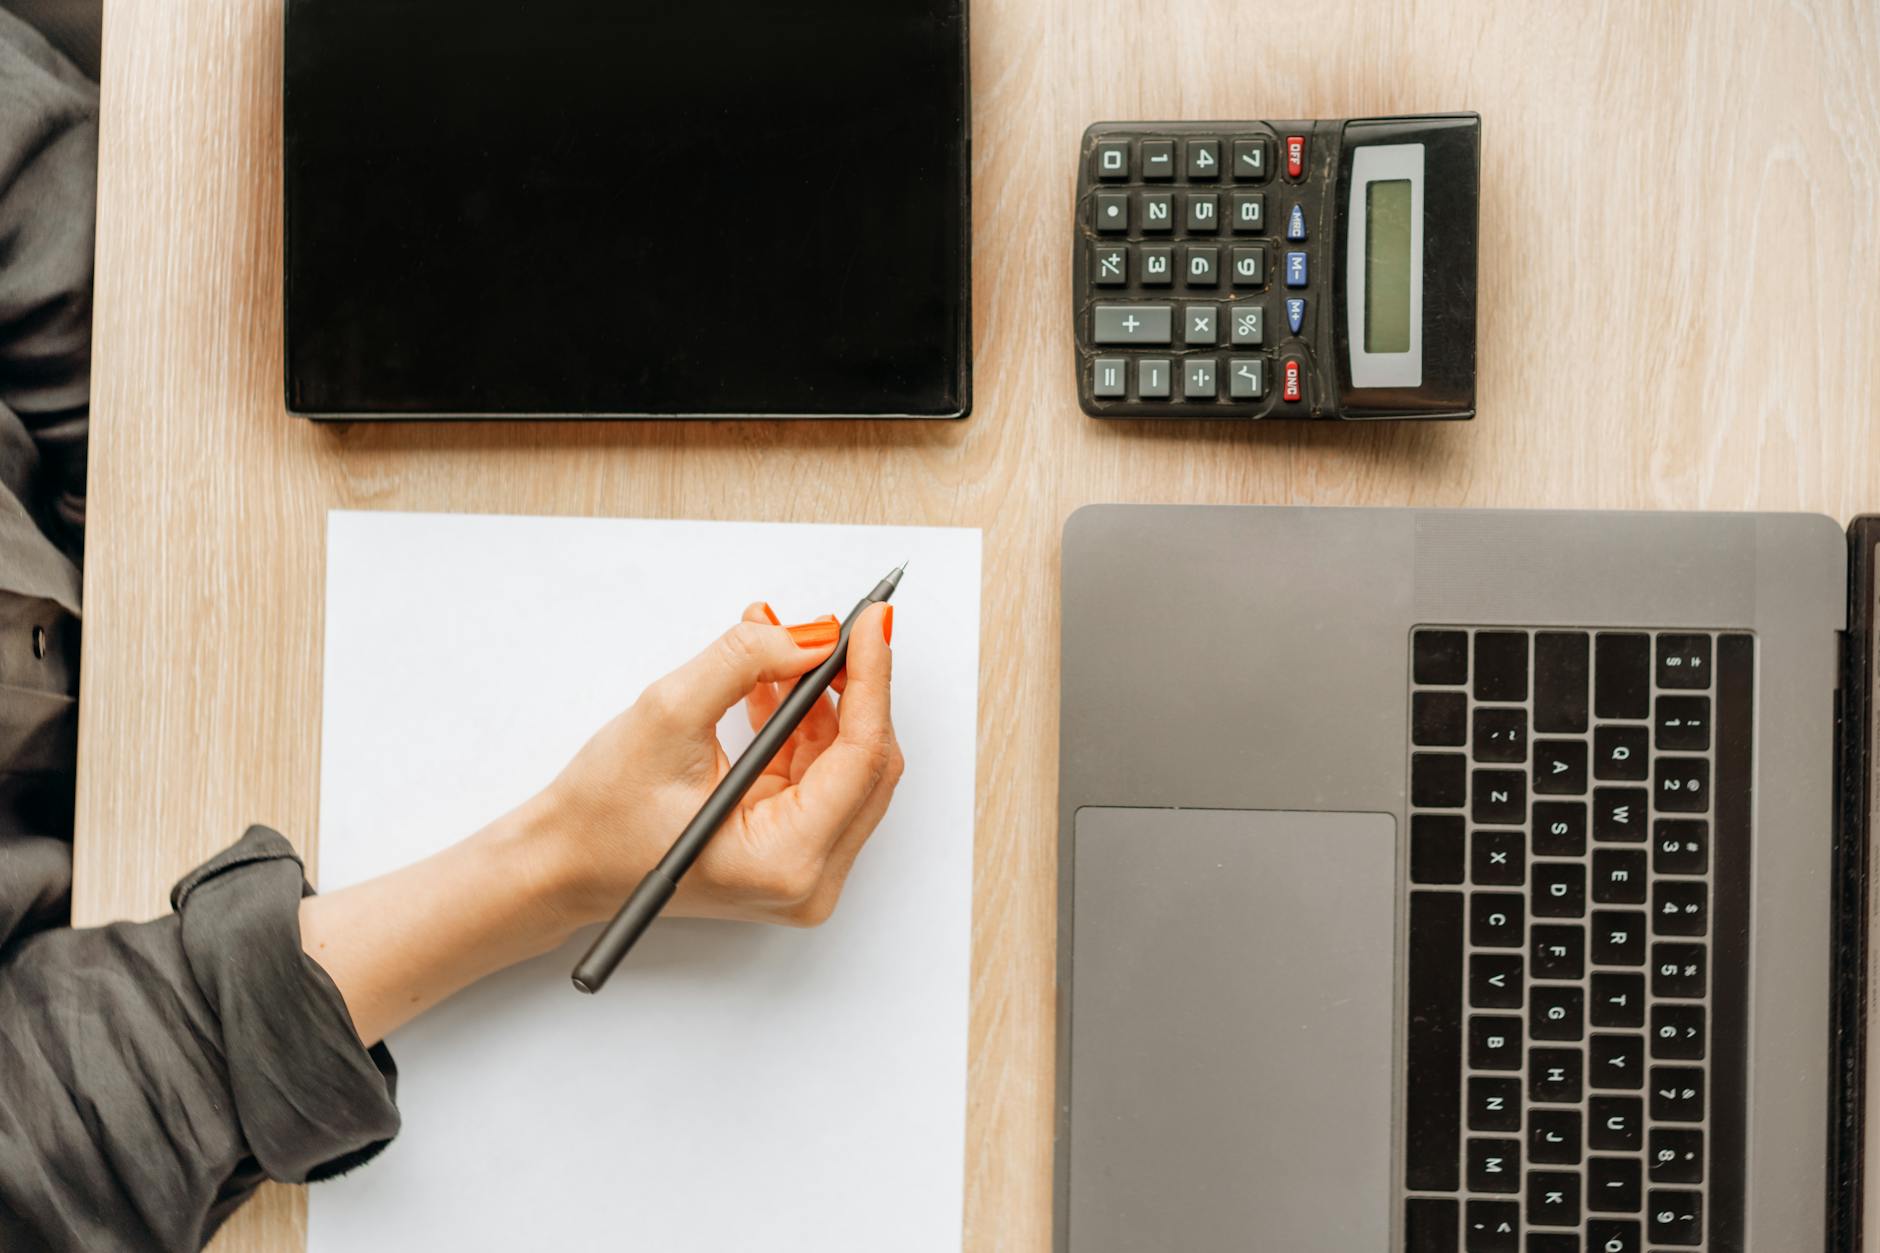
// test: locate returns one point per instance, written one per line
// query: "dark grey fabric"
(151, 1074)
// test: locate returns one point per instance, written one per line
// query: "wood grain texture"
(1678, 309)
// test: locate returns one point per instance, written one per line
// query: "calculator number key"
(1204, 159)
(1250, 160)
(1158, 159)
(1158, 213)
(1113, 160)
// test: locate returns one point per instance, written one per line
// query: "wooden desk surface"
(1678, 310)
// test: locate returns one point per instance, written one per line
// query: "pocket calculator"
(1264, 270)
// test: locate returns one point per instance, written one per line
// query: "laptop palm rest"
(1231, 1055)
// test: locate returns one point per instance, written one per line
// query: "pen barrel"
(626, 927)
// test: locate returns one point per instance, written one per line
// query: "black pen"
(662, 880)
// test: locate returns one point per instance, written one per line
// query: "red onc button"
(1291, 386)
(1295, 156)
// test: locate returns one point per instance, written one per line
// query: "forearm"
(399, 944)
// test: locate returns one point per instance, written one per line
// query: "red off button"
(1290, 388)
(1295, 156)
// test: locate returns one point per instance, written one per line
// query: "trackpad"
(1231, 1031)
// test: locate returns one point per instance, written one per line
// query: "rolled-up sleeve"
(153, 1074)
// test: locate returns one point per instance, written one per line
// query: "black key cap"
(1682, 724)
(1553, 1242)
(1430, 1225)
(1492, 1227)
(1679, 971)
(1439, 780)
(1501, 735)
(1553, 1199)
(1500, 797)
(1619, 813)
(1621, 753)
(1684, 661)
(1433, 1067)
(1681, 846)
(1618, 1000)
(1439, 719)
(1495, 920)
(1494, 1165)
(1494, 1104)
(1622, 681)
(1734, 750)
(1678, 1032)
(1680, 907)
(1559, 952)
(1617, 1063)
(1436, 848)
(1618, 937)
(1675, 1217)
(1615, 1124)
(1676, 1155)
(1559, 767)
(1498, 858)
(1681, 785)
(1553, 1137)
(1494, 1043)
(1495, 981)
(1501, 665)
(1677, 1094)
(1556, 1012)
(1559, 828)
(1440, 657)
(1556, 1076)
(1559, 889)
(1609, 1235)
(1612, 1185)
(1560, 667)
(1619, 876)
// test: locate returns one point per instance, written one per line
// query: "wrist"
(528, 849)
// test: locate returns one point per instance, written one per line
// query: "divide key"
(1134, 324)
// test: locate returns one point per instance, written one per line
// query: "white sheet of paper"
(735, 1087)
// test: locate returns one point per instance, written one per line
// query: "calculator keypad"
(1194, 246)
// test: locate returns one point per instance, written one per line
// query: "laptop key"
(1494, 1043)
(1553, 1137)
(1677, 1094)
(1440, 657)
(1559, 889)
(1680, 907)
(1560, 673)
(1621, 752)
(1619, 813)
(1429, 1225)
(1675, 1217)
(1618, 937)
(1501, 663)
(1494, 1165)
(1676, 1155)
(1495, 981)
(1681, 846)
(1618, 1000)
(1619, 876)
(1682, 724)
(1612, 1185)
(1613, 1236)
(1681, 785)
(1556, 1012)
(1492, 1227)
(1495, 919)
(1556, 1076)
(1615, 1124)
(1559, 952)
(1622, 681)
(1684, 661)
(1436, 853)
(1439, 780)
(1501, 735)
(1433, 1049)
(1678, 1032)
(1559, 828)
(1679, 971)
(1498, 858)
(1616, 1062)
(1499, 797)
(1552, 1242)
(1559, 767)
(1494, 1104)
(1553, 1199)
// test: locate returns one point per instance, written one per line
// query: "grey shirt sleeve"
(153, 1074)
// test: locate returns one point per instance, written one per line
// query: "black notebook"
(582, 207)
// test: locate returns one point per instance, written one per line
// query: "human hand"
(786, 851)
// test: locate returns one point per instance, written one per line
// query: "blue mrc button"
(1295, 269)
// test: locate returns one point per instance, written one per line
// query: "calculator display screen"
(1387, 266)
(706, 207)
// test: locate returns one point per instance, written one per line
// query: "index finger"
(838, 783)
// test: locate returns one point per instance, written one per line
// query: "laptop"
(1438, 881)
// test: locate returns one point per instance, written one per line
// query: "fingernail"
(887, 625)
(818, 634)
(771, 614)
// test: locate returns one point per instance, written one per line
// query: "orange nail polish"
(771, 614)
(816, 634)
(887, 625)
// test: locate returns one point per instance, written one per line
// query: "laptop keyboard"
(1577, 933)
